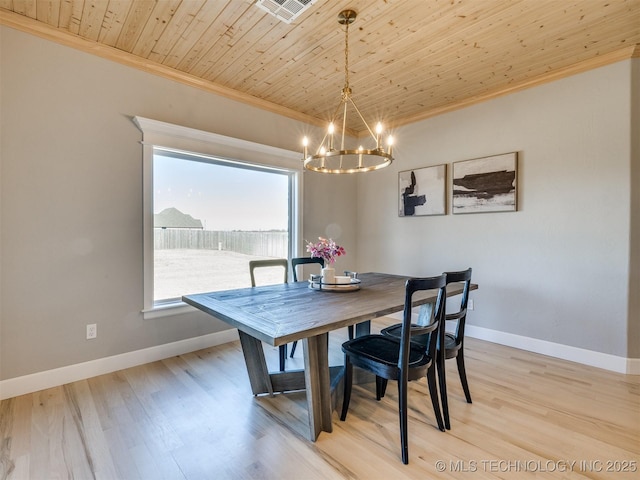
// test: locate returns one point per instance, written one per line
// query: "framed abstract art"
(422, 191)
(488, 184)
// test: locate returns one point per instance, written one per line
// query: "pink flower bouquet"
(326, 249)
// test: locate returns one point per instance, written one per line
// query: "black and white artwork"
(422, 191)
(486, 184)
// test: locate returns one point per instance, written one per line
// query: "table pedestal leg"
(318, 384)
(256, 364)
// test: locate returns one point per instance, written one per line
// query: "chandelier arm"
(322, 143)
(335, 113)
(362, 118)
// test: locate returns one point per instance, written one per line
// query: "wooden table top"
(279, 314)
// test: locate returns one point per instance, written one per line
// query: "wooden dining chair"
(398, 358)
(273, 262)
(452, 340)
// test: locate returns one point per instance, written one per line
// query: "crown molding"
(632, 51)
(43, 30)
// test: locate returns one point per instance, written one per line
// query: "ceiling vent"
(285, 10)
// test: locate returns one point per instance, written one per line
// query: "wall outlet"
(92, 331)
(470, 304)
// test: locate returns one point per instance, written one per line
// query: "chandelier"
(328, 159)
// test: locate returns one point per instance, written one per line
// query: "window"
(211, 204)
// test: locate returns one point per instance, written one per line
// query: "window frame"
(166, 136)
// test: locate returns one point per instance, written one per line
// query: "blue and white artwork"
(486, 184)
(422, 191)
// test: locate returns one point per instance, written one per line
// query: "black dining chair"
(294, 268)
(453, 341)
(306, 261)
(398, 358)
(274, 262)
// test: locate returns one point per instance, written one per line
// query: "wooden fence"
(264, 244)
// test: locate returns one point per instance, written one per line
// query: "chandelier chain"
(346, 58)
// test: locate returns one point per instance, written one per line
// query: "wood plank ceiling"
(409, 59)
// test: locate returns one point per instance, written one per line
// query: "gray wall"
(71, 206)
(634, 252)
(559, 268)
(71, 199)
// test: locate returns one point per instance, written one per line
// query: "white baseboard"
(72, 373)
(629, 366)
(59, 376)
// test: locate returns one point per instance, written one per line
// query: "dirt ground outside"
(180, 272)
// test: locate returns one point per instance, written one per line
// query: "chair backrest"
(302, 261)
(461, 315)
(273, 262)
(423, 327)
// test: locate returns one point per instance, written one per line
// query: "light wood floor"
(194, 417)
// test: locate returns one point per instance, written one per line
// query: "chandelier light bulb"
(332, 129)
(305, 144)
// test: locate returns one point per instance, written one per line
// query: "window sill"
(170, 309)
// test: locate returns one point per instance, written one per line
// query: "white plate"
(336, 287)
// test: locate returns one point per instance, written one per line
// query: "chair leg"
(443, 390)
(282, 350)
(293, 348)
(402, 410)
(381, 387)
(433, 392)
(350, 331)
(347, 379)
(463, 375)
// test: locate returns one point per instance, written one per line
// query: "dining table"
(279, 314)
